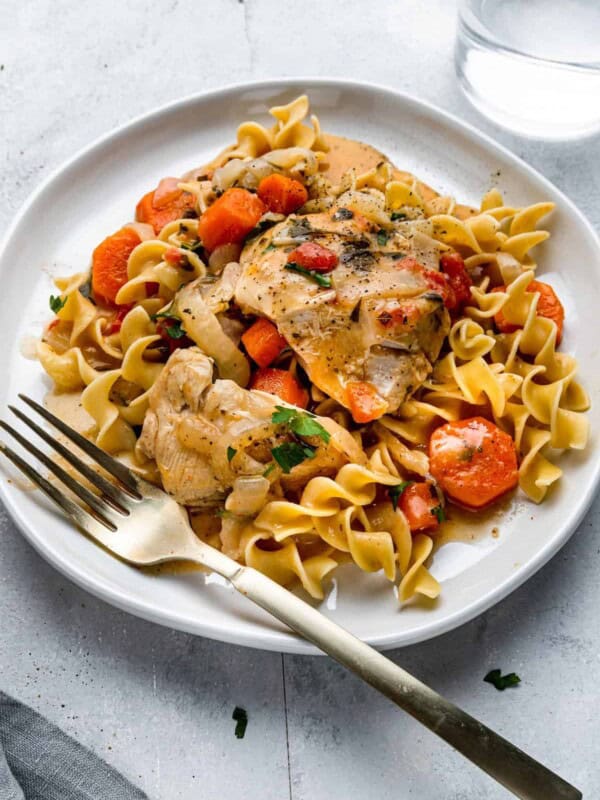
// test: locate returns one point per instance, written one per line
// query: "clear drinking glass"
(532, 65)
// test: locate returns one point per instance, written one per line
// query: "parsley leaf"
(438, 512)
(262, 225)
(269, 470)
(300, 422)
(342, 213)
(175, 331)
(500, 681)
(175, 328)
(269, 247)
(382, 237)
(396, 492)
(231, 451)
(396, 215)
(194, 247)
(56, 303)
(289, 454)
(240, 715)
(313, 275)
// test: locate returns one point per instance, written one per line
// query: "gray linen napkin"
(40, 762)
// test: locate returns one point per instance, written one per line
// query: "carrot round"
(281, 383)
(230, 218)
(109, 264)
(418, 502)
(548, 306)
(164, 204)
(263, 342)
(281, 194)
(364, 401)
(473, 461)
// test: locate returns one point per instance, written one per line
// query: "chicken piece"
(382, 321)
(209, 438)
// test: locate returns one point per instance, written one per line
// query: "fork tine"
(107, 488)
(71, 509)
(101, 510)
(111, 465)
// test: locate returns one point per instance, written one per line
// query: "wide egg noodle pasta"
(517, 379)
(335, 509)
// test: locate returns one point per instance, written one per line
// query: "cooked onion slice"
(202, 326)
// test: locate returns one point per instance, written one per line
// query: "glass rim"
(474, 26)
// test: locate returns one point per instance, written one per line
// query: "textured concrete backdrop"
(156, 703)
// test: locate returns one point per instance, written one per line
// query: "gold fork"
(144, 526)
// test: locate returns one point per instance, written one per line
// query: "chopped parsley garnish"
(468, 453)
(396, 215)
(500, 681)
(269, 247)
(317, 277)
(175, 331)
(269, 470)
(56, 303)
(231, 451)
(302, 423)
(299, 228)
(289, 454)
(240, 715)
(262, 225)
(343, 213)
(382, 237)
(396, 492)
(438, 512)
(195, 247)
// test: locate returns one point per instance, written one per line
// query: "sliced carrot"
(263, 342)
(230, 218)
(109, 264)
(282, 383)
(165, 204)
(548, 306)
(417, 503)
(473, 461)
(312, 255)
(281, 194)
(364, 401)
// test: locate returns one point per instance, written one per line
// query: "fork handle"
(514, 769)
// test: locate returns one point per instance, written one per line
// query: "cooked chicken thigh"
(211, 438)
(382, 321)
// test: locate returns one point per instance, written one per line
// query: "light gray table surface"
(156, 703)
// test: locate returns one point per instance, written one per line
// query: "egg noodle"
(343, 502)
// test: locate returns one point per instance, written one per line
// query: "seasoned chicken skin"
(382, 321)
(193, 424)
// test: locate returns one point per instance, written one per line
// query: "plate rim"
(282, 641)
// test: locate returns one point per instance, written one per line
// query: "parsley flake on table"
(311, 274)
(302, 423)
(396, 492)
(289, 454)
(240, 715)
(56, 303)
(500, 681)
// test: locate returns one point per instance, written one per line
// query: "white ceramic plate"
(97, 190)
